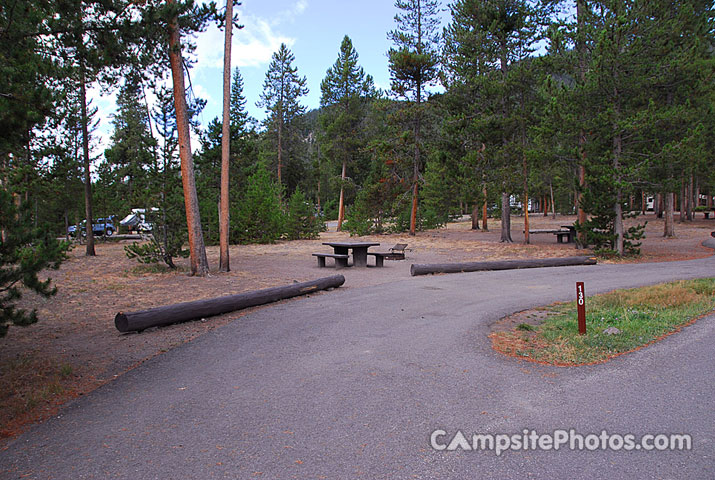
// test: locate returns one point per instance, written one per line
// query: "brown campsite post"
(581, 308)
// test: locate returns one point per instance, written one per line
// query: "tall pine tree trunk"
(341, 205)
(526, 201)
(669, 229)
(280, 149)
(505, 207)
(485, 211)
(691, 199)
(696, 196)
(85, 150)
(505, 218)
(582, 59)
(320, 208)
(475, 217)
(197, 250)
(223, 221)
(618, 206)
(416, 164)
(682, 200)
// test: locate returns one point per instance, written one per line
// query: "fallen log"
(427, 268)
(181, 312)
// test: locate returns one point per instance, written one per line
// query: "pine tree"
(26, 73)
(676, 93)
(93, 40)
(488, 44)
(413, 65)
(239, 116)
(282, 90)
(25, 251)
(259, 218)
(243, 136)
(208, 162)
(612, 89)
(345, 92)
(131, 152)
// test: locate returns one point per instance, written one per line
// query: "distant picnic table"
(359, 250)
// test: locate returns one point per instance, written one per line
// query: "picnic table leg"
(321, 262)
(341, 262)
(379, 260)
(360, 257)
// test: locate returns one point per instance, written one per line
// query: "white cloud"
(252, 45)
(300, 6)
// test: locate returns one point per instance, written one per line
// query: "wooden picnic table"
(359, 250)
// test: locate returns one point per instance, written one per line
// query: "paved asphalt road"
(350, 384)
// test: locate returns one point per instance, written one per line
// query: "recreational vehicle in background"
(136, 221)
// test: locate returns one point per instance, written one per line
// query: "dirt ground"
(75, 347)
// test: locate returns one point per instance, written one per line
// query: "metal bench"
(340, 260)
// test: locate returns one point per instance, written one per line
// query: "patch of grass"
(525, 327)
(643, 315)
(65, 370)
(28, 384)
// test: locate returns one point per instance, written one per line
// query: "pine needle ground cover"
(617, 322)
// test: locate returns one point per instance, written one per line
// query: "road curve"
(350, 384)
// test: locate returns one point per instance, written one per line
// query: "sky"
(312, 30)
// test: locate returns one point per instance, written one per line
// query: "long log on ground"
(181, 312)
(128, 236)
(427, 268)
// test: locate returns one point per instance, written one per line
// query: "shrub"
(259, 216)
(301, 220)
(169, 230)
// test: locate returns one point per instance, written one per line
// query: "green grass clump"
(642, 315)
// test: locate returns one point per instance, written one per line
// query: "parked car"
(99, 227)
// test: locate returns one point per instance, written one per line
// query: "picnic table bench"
(341, 260)
(543, 230)
(379, 258)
